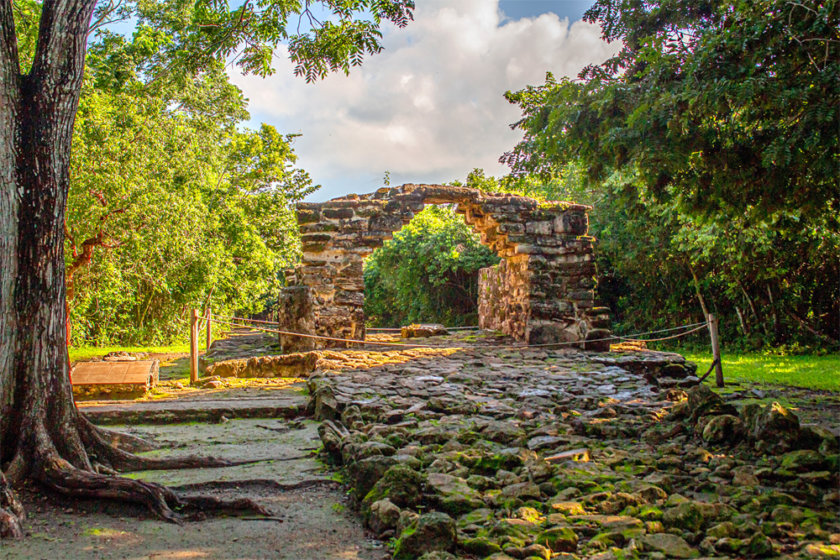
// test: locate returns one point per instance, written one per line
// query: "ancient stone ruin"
(542, 291)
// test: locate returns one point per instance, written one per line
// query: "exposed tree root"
(111, 458)
(11, 512)
(60, 476)
(119, 440)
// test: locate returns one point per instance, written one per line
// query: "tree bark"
(9, 142)
(42, 435)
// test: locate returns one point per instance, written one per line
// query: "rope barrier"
(702, 326)
(242, 319)
(698, 326)
(321, 337)
(377, 329)
(396, 329)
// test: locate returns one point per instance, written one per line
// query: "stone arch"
(542, 291)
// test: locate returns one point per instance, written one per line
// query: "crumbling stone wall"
(542, 291)
(504, 296)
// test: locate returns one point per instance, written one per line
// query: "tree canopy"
(709, 146)
(171, 202)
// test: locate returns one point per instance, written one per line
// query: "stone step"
(166, 411)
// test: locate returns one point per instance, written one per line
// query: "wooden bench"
(117, 377)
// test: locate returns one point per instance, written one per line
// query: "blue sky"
(517, 9)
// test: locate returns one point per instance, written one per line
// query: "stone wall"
(543, 291)
(504, 297)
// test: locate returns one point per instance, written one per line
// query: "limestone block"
(539, 228)
(338, 213)
(576, 223)
(308, 215)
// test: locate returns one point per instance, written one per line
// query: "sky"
(429, 108)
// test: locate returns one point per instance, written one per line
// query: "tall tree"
(42, 435)
(727, 107)
(170, 202)
(714, 131)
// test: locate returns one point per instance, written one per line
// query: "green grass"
(811, 372)
(86, 353)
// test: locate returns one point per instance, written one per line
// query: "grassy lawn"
(91, 352)
(812, 372)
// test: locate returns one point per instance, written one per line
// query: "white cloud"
(429, 108)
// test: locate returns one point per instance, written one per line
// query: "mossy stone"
(559, 539)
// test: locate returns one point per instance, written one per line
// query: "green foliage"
(427, 273)
(709, 149)
(27, 15)
(727, 107)
(192, 35)
(170, 203)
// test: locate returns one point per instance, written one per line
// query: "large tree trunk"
(49, 96)
(42, 435)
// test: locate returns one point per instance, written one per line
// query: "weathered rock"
(702, 401)
(774, 428)
(669, 545)
(400, 484)
(480, 546)
(431, 532)
(744, 476)
(760, 546)
(287, 365)
(803, 460)
(423, 330)
(535, 551)
(559, 539)
(726, 428)
(325, 405)
(452, 494)
(438, 555)
(364, 474)
(568, 508)
(650, 493)
(690, 515)
(522, 490)
(383, 517)
(819, 439)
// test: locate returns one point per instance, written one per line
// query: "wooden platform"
(128, 375)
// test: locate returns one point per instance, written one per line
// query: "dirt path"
(314, 525)
(286, 478)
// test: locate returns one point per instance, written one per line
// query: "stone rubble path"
(471, 449)
(503, 454)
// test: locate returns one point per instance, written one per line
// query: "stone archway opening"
(428, 272)
(542, 291)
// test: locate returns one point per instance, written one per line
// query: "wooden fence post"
(713, 332)
(194, 347)
(208, 332)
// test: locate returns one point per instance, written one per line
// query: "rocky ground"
(489, 452)
(474, 449)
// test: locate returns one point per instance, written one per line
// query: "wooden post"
(208, 331)
(713, 331)
(194, 347)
